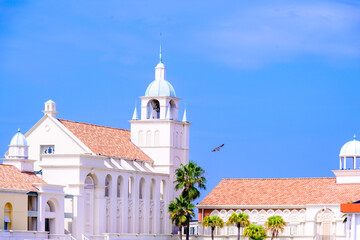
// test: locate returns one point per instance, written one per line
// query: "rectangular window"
(47, 149)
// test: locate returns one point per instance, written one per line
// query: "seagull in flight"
(218, 148)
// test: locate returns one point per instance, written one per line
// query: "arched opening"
(162, 190)
(173, 109)
(119, 186)
(50, 217)
(153, 109)
(157, 138)
(141, 188)
(130, 204)
(108, 190)
(119, 195)
(90, 182)
(141, 138)
(326, 224)
(8, 216)
(131, 187)
(152, 206)
(107, 186)
(152, 189)
(148, 138)
(141, 204)
(162, 206)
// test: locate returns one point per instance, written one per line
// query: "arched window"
(141, 138)
(148, 138)
(162, 190)
(141, 188)
(8, 216)
(107, 185)
(157, 138)
(89, 182)
(152, 189)
(130, 187)
(119, 185)
(153, 109)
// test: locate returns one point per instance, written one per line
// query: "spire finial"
(160, 49)
(18, 129)
(184, 116)
(354, 136)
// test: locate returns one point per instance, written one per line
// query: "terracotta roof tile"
(13, 178)
(107, 141)
(281, 191)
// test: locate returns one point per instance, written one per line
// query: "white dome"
(18, 140)
(350, 149)
(160, 88)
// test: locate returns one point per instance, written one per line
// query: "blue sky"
(276, 81)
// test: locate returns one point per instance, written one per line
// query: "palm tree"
(213, 222)
(240, 220)
(190, 178)
(180, 212)
(255, 232)
(275, 224)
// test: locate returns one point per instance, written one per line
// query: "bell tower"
(158, 132)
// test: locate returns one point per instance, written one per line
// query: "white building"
(310, 206)
(115, 181)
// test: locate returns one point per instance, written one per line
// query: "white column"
(354, 162)
(125, 202)
(353, 232)
(146, 207)
(113, 202)
(99, 210)
(156, 211)
(340, 163)
(135, 219)
(41, 213)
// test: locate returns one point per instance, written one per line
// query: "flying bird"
(218, 148)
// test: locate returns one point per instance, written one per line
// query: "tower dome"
(160, 87)
(18, 147)
(18, 139)
(351, 149)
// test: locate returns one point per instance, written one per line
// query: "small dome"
(18, 140)
(160, 88)
(350, 149)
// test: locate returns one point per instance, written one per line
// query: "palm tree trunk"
(212, 233)
(188, 231)
(273, 235)
(238, 233)
(180, 229)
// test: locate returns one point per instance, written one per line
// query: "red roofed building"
(310, 206)
(25, 198)
(116, 181)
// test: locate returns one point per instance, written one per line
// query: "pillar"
(353, 232)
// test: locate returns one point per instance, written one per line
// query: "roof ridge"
(295, 178)
(93, 124)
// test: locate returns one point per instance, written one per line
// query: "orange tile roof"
(107, 141)
(281, 191)
(13, 178)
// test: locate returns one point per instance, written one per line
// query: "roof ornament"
(184, 119)
(18, 129)
(160, 49)
(354, 136)
(135, 115)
